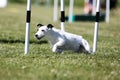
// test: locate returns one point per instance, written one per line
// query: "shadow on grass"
(22, 41)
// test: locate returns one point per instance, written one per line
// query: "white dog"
(62, 40)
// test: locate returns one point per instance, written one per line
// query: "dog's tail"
(86, 46)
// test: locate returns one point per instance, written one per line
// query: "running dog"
(61, 40)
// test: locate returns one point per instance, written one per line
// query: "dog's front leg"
(57, 46)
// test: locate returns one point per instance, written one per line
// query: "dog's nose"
(36, 35)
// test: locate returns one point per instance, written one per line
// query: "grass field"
(41, 63)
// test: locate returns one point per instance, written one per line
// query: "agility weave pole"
(96, 26)
(62, 16)
(55, 15)
(94, 7)
(70, 19)
(55, 18)
(27, 35)
(107, 11)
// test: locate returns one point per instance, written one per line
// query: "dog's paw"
(56, 50)
(59, 51)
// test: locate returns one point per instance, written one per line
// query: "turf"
(41, 63)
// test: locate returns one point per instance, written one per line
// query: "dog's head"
(42, 30)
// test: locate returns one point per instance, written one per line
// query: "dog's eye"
(43, 30)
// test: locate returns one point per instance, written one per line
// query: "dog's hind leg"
(86, 46)
(81, 48)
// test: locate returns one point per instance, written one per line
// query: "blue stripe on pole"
(97, 16)
(28, 16)
(62, 16)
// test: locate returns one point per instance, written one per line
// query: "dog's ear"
(50, 26)
(39, 25)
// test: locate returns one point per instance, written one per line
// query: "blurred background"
(51, 2)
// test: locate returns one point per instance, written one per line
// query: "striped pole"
(27, 35)
(71, 11)
(62, 16)
(55, 16)
(96, 26)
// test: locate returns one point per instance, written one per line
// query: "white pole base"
(27, 37)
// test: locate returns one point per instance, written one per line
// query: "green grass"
(41, 63)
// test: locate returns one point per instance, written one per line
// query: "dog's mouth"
(39, 37)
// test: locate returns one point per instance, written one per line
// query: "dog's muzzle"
(38, 36)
